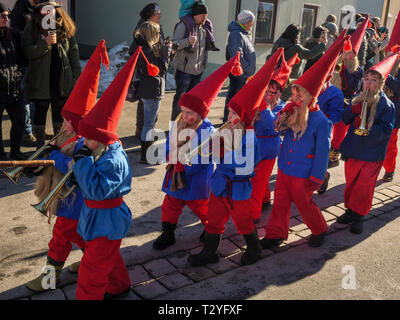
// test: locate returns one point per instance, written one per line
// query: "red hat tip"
(348, 47)
(297, 60)
(237, 70)
(395, 49)
(153, 70)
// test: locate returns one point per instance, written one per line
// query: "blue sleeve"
(353, 79)
(322, 148)
(336, 106)
(268, 118)
(383, 126)
(99, 181)
(235, 44)
(60, 160)
(393, 84)
(347, 115)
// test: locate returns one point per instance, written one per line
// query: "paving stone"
(223, 265)
(385, 207)
(178, 259)
(335, 210)
(56, 294)
(339, 226)
(395, 188)
(299, 227)
(376, 201)
(130, 296)
(175, 281)
(159, 267)
(328, 216)
(150, 289)
(293, 222)
(283, 247)
(16, 293)
(341, 205)
(304, 233)
(389, 193)
(294, 240)
(70, 291)
(235, 258)
(239, 241)
(138, 274)
(390, 216)
(227, 248)
(376, 212)
(198, 273)
(381, 196)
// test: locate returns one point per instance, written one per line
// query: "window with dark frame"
(266, 21)
(308, 21)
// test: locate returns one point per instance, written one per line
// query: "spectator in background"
(332, 33)
(240, 40)
(189, 66)
(320, 35)
(53, 68)
(20, 16)
(11, 68)
(150, 12)
(151, 89)
(331, 18)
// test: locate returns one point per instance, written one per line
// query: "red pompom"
(237, 70)
(348, 47)
(152, 70)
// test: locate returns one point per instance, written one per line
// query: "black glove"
(72, 179)
(49, 149)
(31, 172)
(82, 153)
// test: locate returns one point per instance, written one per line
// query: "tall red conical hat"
(282, 74)
(201, 97)
(395, 37)
(347, 47)
(385, 66)
(101, 122)
(314, 78)
(358, 35)
(246, 102)
(83, 97)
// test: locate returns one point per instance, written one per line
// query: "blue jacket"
(197, 177)
(71, 206)
(372, 147)
(108, 178)
(230, 170)
(308, 156)
(394, 85)
(240, 40)
(351, 82)
(331, 102)
(268, 139)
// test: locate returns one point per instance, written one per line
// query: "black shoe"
(17, 156)
(324, 185)
(144, 146)
(346, 217)
(211, 46)
(253, 251)
(265, 206)
(201, 238)
(388, 176)
(316, 241)
(209, 253)
(357, 225)
(167, 237)
(270, 243)
(109, 296)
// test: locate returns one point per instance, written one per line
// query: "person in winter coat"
(240, 40)
(320, 35)
(53, 67)
(189, 65)
(151, 88)
(11, 71)
(365, 151)
(289, 40)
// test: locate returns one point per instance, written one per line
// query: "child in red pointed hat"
(268, 137)
(230, 184)
(189, 185)
(349, 82)
(81, 100)
(303, 155)
(392, 89)
(364, 149)
(102, 172)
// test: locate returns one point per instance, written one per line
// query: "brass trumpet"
(362, 130)
(14, 174)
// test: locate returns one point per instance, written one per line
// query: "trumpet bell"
(13, 175)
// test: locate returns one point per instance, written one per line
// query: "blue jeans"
(29, 114)
(235, 84)
(184, 83)
(150, 108)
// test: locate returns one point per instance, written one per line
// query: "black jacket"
(20, 15)
(11, 62)
(150, 87)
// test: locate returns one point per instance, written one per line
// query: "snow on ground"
(118, 56)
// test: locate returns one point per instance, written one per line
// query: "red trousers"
(338, 134)
(260, 184)
(172, 208)
(219, 212)
(391, 153)
(64, 234)
(361, 178)
(290, 189)
(102, 270)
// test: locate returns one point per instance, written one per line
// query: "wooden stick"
(28, 163)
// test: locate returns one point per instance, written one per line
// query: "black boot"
(109, 296)
(209, 252)
(144, 145)
(316, 241)
(39, 133)
(346, 217)
(167, 237)
(270, 243)
(324, 185)
(356, 226)
(253, 251)
(211, 46)
(201, 238)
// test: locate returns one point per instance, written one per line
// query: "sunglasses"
(271, 93)
(5, 16)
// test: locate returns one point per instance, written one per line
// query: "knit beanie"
(245, 16)
(199, 8)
